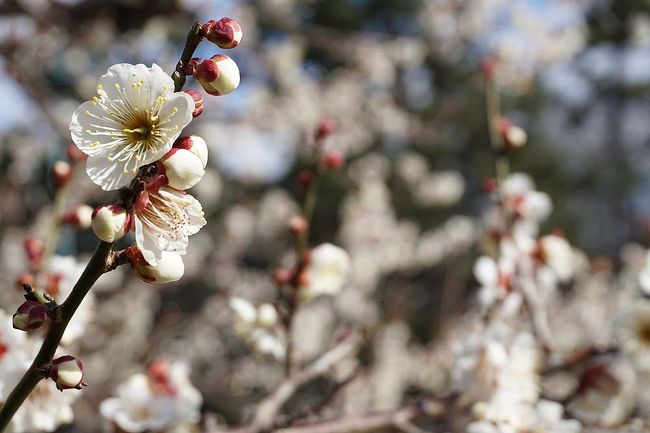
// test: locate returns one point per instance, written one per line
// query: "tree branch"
(32, 376)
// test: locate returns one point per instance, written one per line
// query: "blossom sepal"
(169, 268)
(67, 372)
(218, 75)
(110, 222)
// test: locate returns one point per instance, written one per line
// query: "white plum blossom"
(327, 272)
(164, 220)
(644, 276)
(161, 400)
(557, 254)
(548, 419)
(633, 334)
(258, 327)
(132, 121)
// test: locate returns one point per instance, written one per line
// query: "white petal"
(156, 81)
(108, 175)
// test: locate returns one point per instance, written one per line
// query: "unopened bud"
(67, 372)
(488, 66)
(30, 315)
(194, 144)
(298, 225)
(267, 315)
(74, 154)
(304, 180)
(225, 33)
(198, 102)
(218, 75)
(110, 222)
(169, 268)
(25, 279)
(333, 160)
(512, 135)
(282, 276)
(34, 247)
(489, 185)
(62, 172)
(325, 128)
(81, 217)
(183, 168)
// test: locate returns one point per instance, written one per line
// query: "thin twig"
(269, 409)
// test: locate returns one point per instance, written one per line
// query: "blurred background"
(401, 79)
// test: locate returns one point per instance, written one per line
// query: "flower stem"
(194, 37)
(32, 376)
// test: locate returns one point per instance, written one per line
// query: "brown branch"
(269, 409)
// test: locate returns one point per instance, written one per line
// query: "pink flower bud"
(67, 372)
(325, 128)
(34, 247)
(218, 75)
(304, 180)
(488, 65)
(74, 154)
(298, 225)
(333, 160)
(512, 135)
(194, 144)
(62, 172)
(110, 222)
(170, 266)
(30, 315)
(198, 102)
(182, 167)
(225, 33)
(25, 279)
(81, 217)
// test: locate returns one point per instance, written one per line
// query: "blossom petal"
(108, 175)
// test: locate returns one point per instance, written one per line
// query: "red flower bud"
(25, 278)
(198, 102)
(304, 180)
(34, 247)
(74, 154)
(333, 160)
(225, 33)
(30, 315)
(325, 128)
(218, 75)
(80, 218)
(62, 173)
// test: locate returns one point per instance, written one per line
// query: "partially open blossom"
(633, 333)
(67, 372)
(327, 272)
(81, 217)
(194, 144)
(198, 102)
(183, 168)
(62, 172)
(133, 121)
(30, 315)
(164, 219)
(169, 268)
(225, 33)
(218, 75)
(110, 222)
